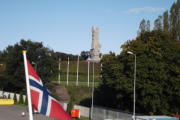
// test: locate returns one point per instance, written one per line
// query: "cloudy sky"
(65, 25)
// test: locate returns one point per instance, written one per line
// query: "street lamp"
(92, 94)
(134, 108)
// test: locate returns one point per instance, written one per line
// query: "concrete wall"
(84, 111)
(11, 95)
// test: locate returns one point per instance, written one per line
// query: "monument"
(95, 47)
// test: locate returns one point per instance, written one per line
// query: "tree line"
(43, 59)
(169, 21)
(157, 72)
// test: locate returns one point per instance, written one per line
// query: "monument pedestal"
(94, 56)
(95, 47)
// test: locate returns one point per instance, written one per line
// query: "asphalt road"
(15, 113)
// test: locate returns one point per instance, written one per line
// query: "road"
(14, 113)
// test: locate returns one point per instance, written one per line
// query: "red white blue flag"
(41, 98)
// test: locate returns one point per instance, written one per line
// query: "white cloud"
(144, 9)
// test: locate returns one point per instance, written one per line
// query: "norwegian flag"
(42, 100)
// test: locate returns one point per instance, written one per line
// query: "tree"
(158, 23)
(142, 27)
(9, 96)
(70, 105)
(26, 100)
(36, 52)
(174, 21)
(64, 56)
(85, 55)
(148, 26)
(165, 21)
(21, 98)
(15, 98)
(158, 67)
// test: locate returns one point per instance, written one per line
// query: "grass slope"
(83, 71)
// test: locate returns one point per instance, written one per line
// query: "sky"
(66, 25)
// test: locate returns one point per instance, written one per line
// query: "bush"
(15, 97)
(70, 105)
(26, 101)
(21, 98)
(9, 96)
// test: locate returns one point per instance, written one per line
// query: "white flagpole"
(59, 70)
(101, 71)
(67, 71)
(77, 71)
(88, 71)
(27, 86)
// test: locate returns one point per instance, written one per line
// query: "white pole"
(67, 71)
(88, 71)
(101, 71)
(59, 70)
(77, 71)
(134, 110)
(134, 104)
(27, 86)
(92, 94)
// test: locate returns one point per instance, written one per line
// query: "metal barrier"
(106, 114)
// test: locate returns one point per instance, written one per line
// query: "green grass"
(83, 71)
(83, 66)
(81, 118)
(81, 95)
(20, 104)
(73, 83)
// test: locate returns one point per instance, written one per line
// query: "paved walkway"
(14, 113)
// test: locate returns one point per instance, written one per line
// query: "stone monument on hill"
(95, 47)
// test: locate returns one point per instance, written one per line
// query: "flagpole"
(92, 104)
(88, 71)
(27, 86)
(67, 71)
(59, 70)
(77, 71)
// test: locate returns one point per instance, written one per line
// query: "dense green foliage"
(168, 22)
(81, 95)
(21, 100)
(26, 100)
(15, 97)
(158, 75)
(43, 58)
(70, 105)
(64, 56)
(9, 96)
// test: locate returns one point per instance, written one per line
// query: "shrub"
(26, 101)
(21, 98)
(9, 97)
(15, 97)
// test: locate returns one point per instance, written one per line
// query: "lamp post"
(134, 107)
(92, 94)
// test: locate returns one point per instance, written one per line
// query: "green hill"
(83, 72)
